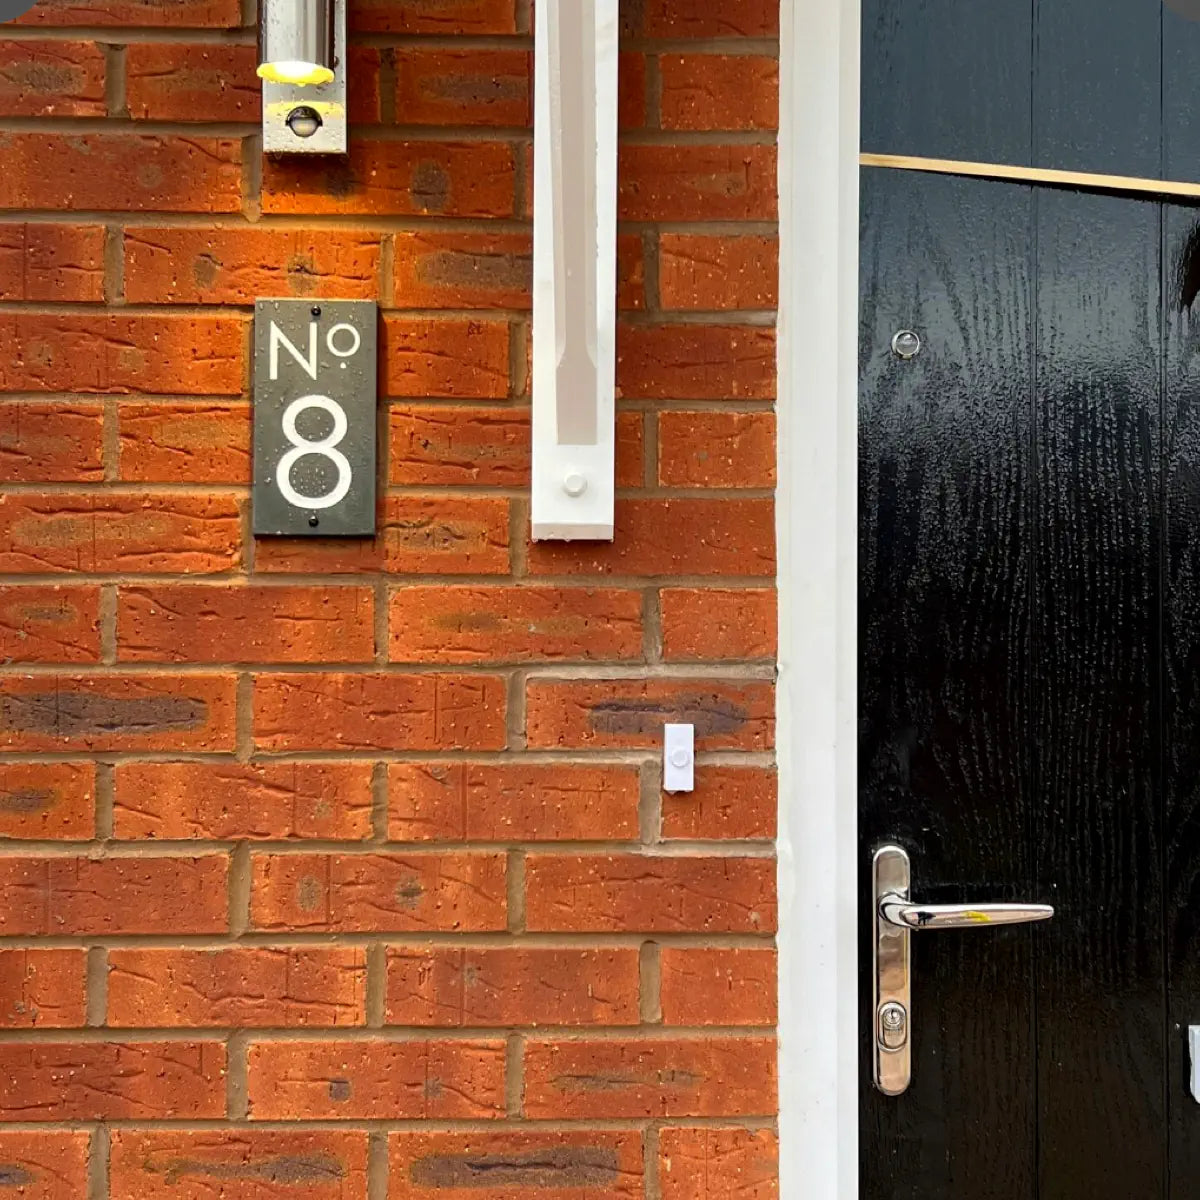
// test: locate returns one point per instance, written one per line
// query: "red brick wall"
(342, 869)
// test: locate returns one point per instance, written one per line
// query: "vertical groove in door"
(1033, 700)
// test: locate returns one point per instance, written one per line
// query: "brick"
(93, 1081)
(244, 987)
(514, 802)
(718, 1164)
(47, 801)
(117, 712)
(451, 17)
(238, 1164)
(49, 624)
(184, 443)
(446, 269)
(442, 357)
(68, 352)
(57, 263)
(366, 712)
(51, 443)
(454, 987)
(212, 623)
(182, 14)
(379, 893)
(697, 182)
(116, 532)
(695, 362)
(631, 91)
(45, 1166)
(719, 91)
(672, 537)
(446, 179)
(463, 87)
(702, 986)
(631, 272)
(52, 79)
(638, 893)
(224, 801)
(701, 1077)
(699, 272)
(120, 172)
(631, 450)
(729, 802)
(42, 989)
(113, 896)
(189, 81)
(702, 19)
(630, 713)
(427, 535)
(236, 266)
(709, 624)
(514, 624)
(376, 1080)
(439, 445)
(716, 449)
(512, 1164)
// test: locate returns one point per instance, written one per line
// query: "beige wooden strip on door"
(1079, 179)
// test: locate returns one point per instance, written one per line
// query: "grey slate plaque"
(315, 402)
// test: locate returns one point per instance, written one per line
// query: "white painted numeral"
(326, 447)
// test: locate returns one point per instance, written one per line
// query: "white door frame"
(817, 535)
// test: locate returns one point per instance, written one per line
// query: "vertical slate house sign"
(314, 417)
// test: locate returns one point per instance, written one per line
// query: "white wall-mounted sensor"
(679, 758)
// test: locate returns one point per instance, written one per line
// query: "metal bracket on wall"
(301, 119)
(574, 270)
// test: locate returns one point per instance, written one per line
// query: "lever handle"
(896, 918)
(894, 909)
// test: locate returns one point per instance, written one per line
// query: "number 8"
(326, 447)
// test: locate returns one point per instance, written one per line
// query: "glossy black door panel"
(1180, 77)
(1097, 824)
(1105, 86)
(1181, 687)
(946, 560)
(1030, 593)
(1015, 708)
(948, 79)
(1097, 86)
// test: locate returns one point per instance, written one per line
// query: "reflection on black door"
(1030, 595)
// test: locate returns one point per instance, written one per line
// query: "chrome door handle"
(897, 911)
(895, 918)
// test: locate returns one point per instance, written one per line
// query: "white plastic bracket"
(574, 269)
(1194, 1066)
(679, 758)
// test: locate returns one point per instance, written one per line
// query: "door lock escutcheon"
(895, 919)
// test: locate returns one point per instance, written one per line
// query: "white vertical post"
(820, 1073)
(574, 269)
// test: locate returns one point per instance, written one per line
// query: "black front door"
(1030, 595)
